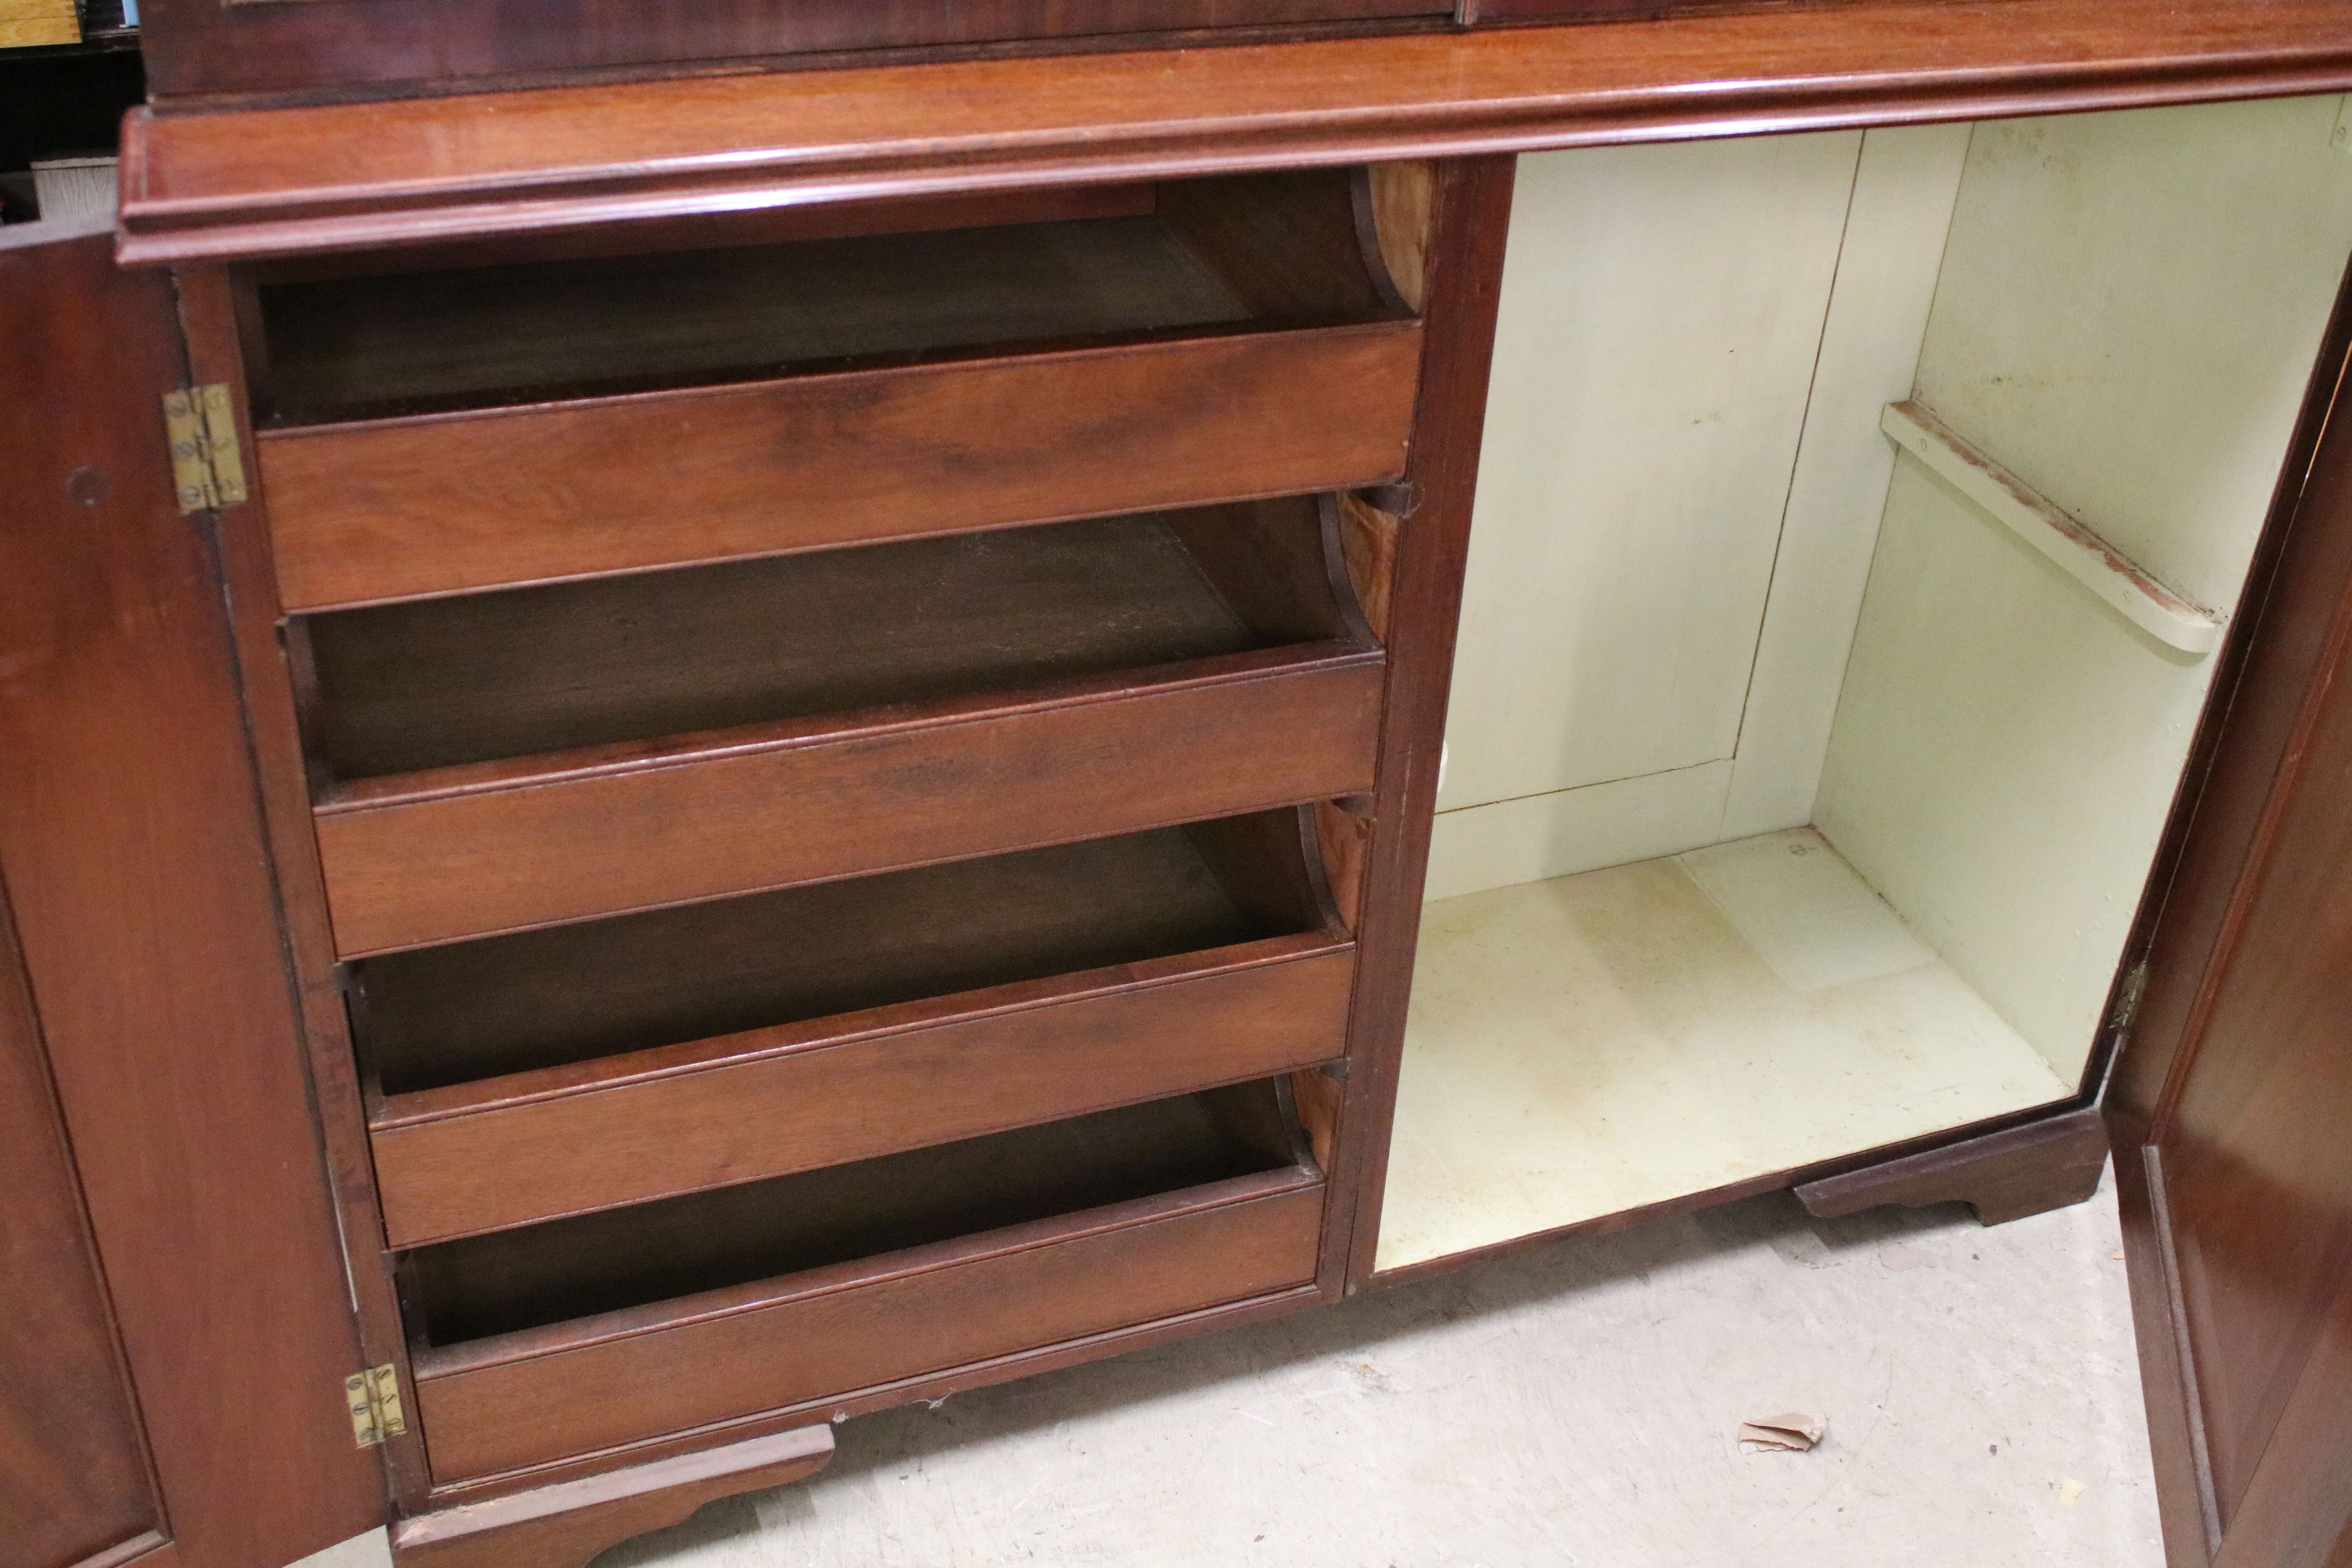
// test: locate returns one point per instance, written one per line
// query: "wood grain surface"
(27, 23)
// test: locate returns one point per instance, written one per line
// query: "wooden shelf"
(491, 1288)
(442, 683)
(1278, 250)
(567, 418)
(371, 346)
(2109, 574)
(525, 1004)
(536, 1076)
(936, 771)
(762, 1298)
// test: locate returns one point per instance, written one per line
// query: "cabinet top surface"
(231, 183)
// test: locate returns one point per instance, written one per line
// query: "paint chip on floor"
(1794, 1433)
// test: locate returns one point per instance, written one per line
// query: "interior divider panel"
(444, 503)
(834, 1331)
(438, 856)
(534, 1146)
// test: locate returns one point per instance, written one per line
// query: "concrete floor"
(1571, 1406)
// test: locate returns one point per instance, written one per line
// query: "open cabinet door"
(179, 1328)
(2231, 1106)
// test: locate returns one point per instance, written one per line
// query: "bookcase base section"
(566, 1524)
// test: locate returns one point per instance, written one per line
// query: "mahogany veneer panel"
(202, 47)
(444, 503)
(344, 177)
(469, 852)
(439, 683)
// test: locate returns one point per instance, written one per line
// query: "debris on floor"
(1794, 1433)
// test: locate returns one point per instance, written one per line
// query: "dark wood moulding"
(295, 181)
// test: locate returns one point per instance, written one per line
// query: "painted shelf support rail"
(2034, 518)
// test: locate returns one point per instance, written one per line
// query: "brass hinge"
(374, 1396)
(206, 469)
(2134, 987)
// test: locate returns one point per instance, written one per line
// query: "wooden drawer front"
(536, 1146)
(406, 508)
(801, 805)
(836, 1331)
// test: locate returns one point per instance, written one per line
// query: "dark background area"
(65, 102)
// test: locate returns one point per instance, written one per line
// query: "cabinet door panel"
(2230, 1103)
(132, 854)
(73, 1467)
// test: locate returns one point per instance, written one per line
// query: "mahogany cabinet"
(691, 756)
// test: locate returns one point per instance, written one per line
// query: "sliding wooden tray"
(1235, 338)
(1124, 970)
(761, 724)
(790, 1295)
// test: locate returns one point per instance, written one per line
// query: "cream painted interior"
(1590, 1044)
(1708, 605)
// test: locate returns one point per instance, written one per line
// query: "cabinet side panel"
(1661, 317)
(73, 1470)
(131, 852)
(1473, 214)
(1903, 193)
